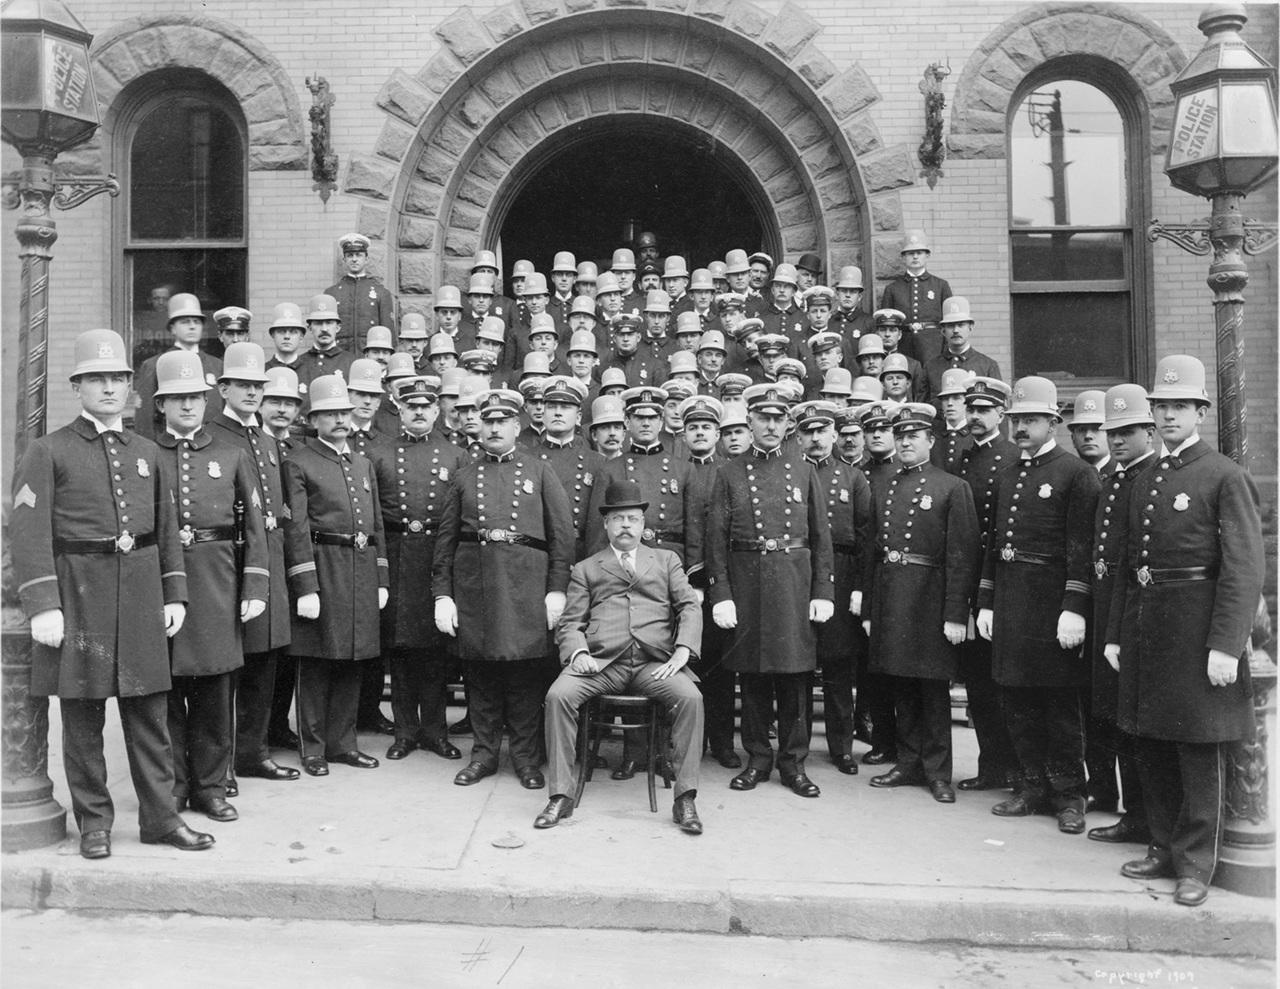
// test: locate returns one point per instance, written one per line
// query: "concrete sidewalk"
(402, 843)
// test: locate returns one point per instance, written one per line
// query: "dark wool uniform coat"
(921, 299)
(211, 477)
(335, 494)
(365, 441)
(1037, 566)
(499, 586)
(929, 514)
(949, 447)
(73, 484)
(362, 302)
(980, 466)
(577, 467)
(1196, 509)
(413, 478)
(769, 496)
(312, 364)
(847, 495)
(271, 629)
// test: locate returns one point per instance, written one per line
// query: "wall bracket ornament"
(933, 148)
(324, 163)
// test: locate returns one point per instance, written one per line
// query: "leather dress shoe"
(942, 792)
(356, 759)
(983, 782)
(315, 765)
(462, 727)
(897, 777)
(1071, 820)
(442, 747)
(727, 758)
(685, 814)
(184, 839)
(531, 778)
(1105, 805)
(1124, 831)
(269, 769)
(379, 724)
(748, 778)
(847, 764)
(625, 771)
(401, 748)
(95, 844)
(599, 762)
(215, 808)
(558, 808)
(801, 785)
(1190, 892)
(230, 787)
(1019, 805)
(282, 740)
(1151, 867)
(878, 757)
(473, 772)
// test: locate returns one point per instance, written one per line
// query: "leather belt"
(359, 539)
(219, 533)
(502, 536)
(768, 544)
(1145, 576)
(123, 543)
(910, 559)
(412, 527)
(1010, 555)
(847, 548)
(661, 536)
(1102, 568)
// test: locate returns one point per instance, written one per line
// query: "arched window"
(182, 221)
(1077, 194)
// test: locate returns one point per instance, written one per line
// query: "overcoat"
(334, 494)
(847, 498)
(980, 466)
(76, 485)
(1196, 509)
(578, 468)
(362, 302)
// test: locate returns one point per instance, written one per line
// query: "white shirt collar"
(339, 452)
(251, 421)
(622, 557)
(1042, 451)
(1101, 465)
(115, 424)
(1191, 440)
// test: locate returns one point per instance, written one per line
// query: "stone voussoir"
(405, 97)
(790, 31)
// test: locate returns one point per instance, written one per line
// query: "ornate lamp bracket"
(933, 148)
(68, 193)
(1195, 238)
(324, 163)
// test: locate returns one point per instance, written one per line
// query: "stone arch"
(1042, 33)
(512, 85)
(131, 49)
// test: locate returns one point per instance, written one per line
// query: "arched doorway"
(614, 177)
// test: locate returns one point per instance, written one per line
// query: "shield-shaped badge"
(926, 502)
(215, 469)
(1046, 491)
(144, 468)
(1181, 502)
(527, 487)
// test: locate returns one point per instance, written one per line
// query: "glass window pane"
(186, 174)
(1086, 255)
(215, 277)
(1067, 158)
(1081, 335)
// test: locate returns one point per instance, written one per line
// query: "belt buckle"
(361, 540)
(917, 327)
(498, 535)
(770, 545)
(415, 526)
(1144, 576)
(186, 536)
(124, 542)
(893, 556)
(269, 522)
(648, 535)
(1007, 554)
(1100, 568)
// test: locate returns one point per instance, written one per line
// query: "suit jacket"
(606, 612)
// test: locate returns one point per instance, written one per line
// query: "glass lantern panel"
(1248, 120)
(1195, 128)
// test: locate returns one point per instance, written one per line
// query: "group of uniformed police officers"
(838, 486)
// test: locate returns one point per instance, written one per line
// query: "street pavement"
(403, 843)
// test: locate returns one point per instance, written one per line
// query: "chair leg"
(668, 768)
(652, 744)
(584, 756)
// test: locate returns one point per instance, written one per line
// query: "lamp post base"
(31, 817)
(1247, 861)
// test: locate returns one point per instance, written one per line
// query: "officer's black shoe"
(356, 759)
(184, 839)
(983, 782)
(558, 808)
(269, 769)
(878, 757)
(897, 777)
(625, 771)
(801, 785)
(462, 727)
(1071, 820)
(231, 787)
(315, 765)
(727, 758)
(1190, 892)
(215, 808)
(685, 814)
(95, 844)
(473, 772)
(1124, 831)
(748, 779)
(942, 792)
(441, 747)
(531, 778)
(1151, 867)
(401, 748)
(847, 764)
(1022, 804)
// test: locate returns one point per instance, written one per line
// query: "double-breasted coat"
(847, 497)
(334, 546)
(577, 467)
(927, 552)
(74, 485)
(769, 496)
(362, 302)
(1196, 512)
(980, 466)
(1038, 565)
(211, 476)
(413, 479)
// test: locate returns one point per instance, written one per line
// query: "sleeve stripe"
(1078, 586)
(38, 580)
(173, 573)
(257, 571)
(300, 568)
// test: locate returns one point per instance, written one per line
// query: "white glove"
(251, 609)
(855, 602)
(48, 627)
(309, 606)
(384, 596)
(954, 632)
(174, 616)
(725, 614)
(985, 619)
(1070, 630)
(866, 627)
(447, 616)
(700, 594)
(555, 608)
(1111, 651)
(821, 610)
(1222, 668)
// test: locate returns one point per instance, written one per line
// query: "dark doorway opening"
(612, 180)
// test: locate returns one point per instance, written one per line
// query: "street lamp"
(1223, 146)
(48, 106)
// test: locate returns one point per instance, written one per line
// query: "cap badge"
(215, 469)
(106, 350)
(1090, 405)
(1171, 376)
(1046, 491)
(771, 394)
(1181, 502)
(251, 362)
(1120, 405)
(1020, 393)
(186, 372)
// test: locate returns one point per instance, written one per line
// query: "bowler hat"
(620, 496)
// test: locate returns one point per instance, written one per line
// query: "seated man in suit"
(631, 623)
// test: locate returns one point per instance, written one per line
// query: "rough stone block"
(698, 53)
(378, 260)
(755, 141)
(850, 92)
(627, 44)
(371, 220)
(782, 107)
(465, 217)
(657, 96)
(1022, 48)
(888, 261)
(678, 5)
(394, 140)
(436, 165)
(835, 192)
(599, 94)
(455, 271)
(712, 10)
(1051, 34)
(423, 198)
(732, 126)
(250, 81)
(785, 186)
(464, 35)
(590, 48)
(118, 62)
(150, 52)
(573, 103)
(549, 114)
(561, 55)
(886, 212)
(888, 169)
(797, 240)
(84, 159)
(757, 85)
(578, 6)
(269, 132)
(416, 271)
(976, 146)
(862, 133)
(539, 11)
(823, 159)
(405, 97)
(844, 227)
(794, 213)
(746, 18)
(768, 163)
(504, 22)
(452, 137)
(440, 72)
(628, 94)
(1129, 44)
(370, 176)
(500, 86)
(626, 3)
(461, 243)
(708, 112)
(487, 167)
(814, 67)
(986, 95)
(276, 158)
(683, 104)
(267, 105)
(1000, 69)
(420, 304)
(665, 45)
(806, 130)
(980, 122)
(504, 145)
(199, 45)
(1154, 70)
(790, 31)
(416, 232)
(529, 69)
(474, 110)
(526, 129)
